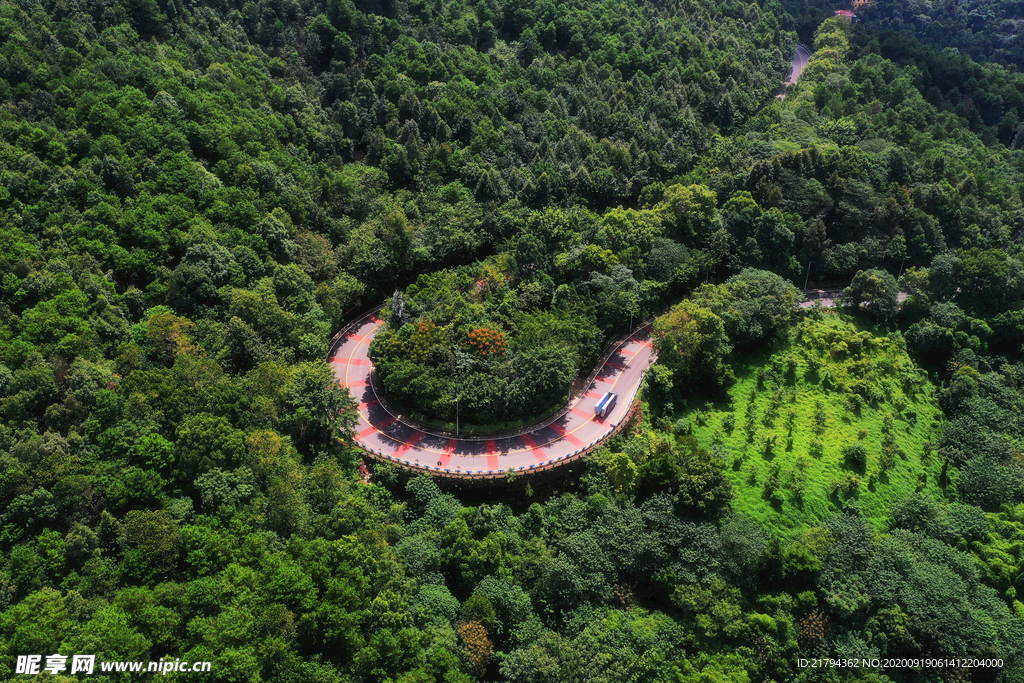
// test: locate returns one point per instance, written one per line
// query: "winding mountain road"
(569, 435)
(799, 63)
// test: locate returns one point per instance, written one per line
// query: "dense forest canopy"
(195, 195)
(985, 31)
(457, 340)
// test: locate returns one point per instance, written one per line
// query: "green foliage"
(480, 350)
(628, 229)
(856, 456)
(916, 575)
(988, 33)
(692, 474)
(622, 472)
(875, 290)
(805, 480)
(691, 341)
(688, 211)
(754, 305)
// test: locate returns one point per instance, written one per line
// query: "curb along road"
(570, 435)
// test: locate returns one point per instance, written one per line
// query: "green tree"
(205, 441)
(691, 341)
(989, 281)
(151, 545)
(754, 305)
(339, 296)
(691, 473)
(628, 228)
(876, 290)
(319, 407)
(689, 211)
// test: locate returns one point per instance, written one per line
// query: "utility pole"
(901, 267)
(456, 416)
(807, 279)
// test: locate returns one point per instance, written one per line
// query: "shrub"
(772, 482)
(799, 476)
(887, 459)
(820, 418)
(856, 456)
(847, 486)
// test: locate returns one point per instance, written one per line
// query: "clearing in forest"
(836, 413)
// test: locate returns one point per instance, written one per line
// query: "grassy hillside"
(835, 413)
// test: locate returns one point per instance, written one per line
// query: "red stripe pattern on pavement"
(377, 427)
(449, 449)
(532, 445)
(350, 361)
(492, 455)
(413, 440)
(558, 429)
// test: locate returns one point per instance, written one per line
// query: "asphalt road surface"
(829, 301)
(380, 431)
(800, 59)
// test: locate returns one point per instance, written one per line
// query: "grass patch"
(837, 413)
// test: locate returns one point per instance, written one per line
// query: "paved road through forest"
(380, 431)
(799, 63)
(828, 298)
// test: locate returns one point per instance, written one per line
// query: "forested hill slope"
(206, 118)
(987, 31)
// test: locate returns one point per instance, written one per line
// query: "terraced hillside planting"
(838, 413)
